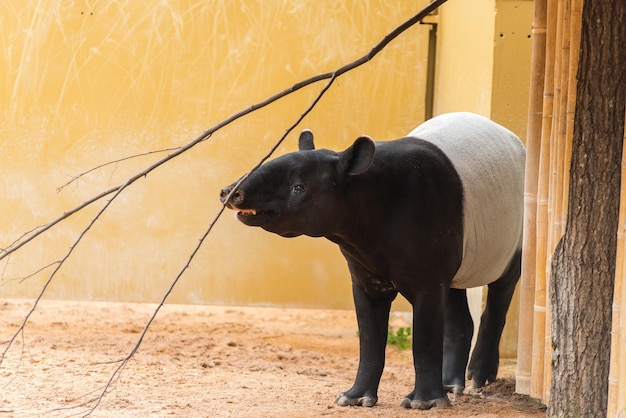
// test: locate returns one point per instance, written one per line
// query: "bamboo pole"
(617, 373)
(562, 73)
(539, 308)
(561, 57)
(576, 24)
(533, 150)
(620, 289)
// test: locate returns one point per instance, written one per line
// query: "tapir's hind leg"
(458, 331)
(483, 366)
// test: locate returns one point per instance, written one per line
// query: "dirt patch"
(206, 361)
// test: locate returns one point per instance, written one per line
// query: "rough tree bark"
(583, 266)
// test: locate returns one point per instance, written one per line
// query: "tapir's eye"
(298, 188)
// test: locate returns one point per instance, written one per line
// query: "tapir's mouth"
(247, 212)
(253, 217)
(266, 219)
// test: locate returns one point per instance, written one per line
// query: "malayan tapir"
(428, 216)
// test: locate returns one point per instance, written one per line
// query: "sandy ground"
(206, 361)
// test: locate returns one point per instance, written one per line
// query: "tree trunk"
(583, 268)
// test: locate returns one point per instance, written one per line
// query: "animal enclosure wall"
(483, 65)
(87, 83)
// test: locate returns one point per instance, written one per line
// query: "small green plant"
(401, 338)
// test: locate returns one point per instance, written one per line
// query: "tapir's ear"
(305, 143)
(358, 158)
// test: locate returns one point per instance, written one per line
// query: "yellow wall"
(483, 61)
(83, 83)
(483, 65)
(465, 57)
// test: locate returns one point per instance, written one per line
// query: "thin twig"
(19, 362)
(3, 282)
(206, 134)
(78, 405)
(119, 160)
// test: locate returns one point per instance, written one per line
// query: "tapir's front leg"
(373, 320)
(428, 327)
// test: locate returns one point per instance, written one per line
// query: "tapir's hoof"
(481, 376)
(479, 383)
(456, 389)
(423, 405)
(479, 379)
(367, 401)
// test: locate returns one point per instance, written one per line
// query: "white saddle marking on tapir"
(490, 162)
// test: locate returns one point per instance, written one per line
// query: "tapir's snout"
(236, 198)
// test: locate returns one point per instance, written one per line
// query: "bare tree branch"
(19, 362)
(126, 359)
(61, 263)
(116, 191)
(34, 233)
(206, 134)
